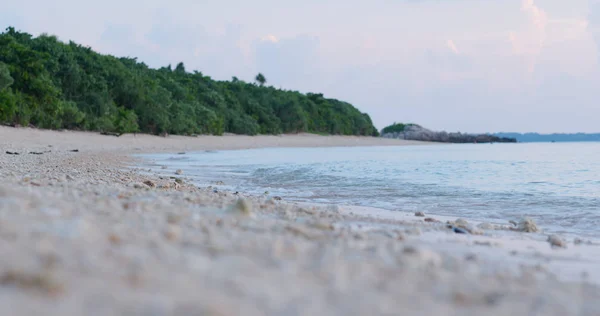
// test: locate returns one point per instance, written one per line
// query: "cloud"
(530, 42)
(547, 35)
(270, 38)
(538, 16)
(452, 46)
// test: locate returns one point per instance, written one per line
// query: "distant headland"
(556, 137)
(412, 131)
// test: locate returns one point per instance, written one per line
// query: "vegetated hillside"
(50, 84)
(397, 128)
(416, 132)
(535, 137)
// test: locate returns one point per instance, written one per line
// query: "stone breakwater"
(418, 133)
(83, 234)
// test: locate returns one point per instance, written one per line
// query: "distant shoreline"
(549, 138)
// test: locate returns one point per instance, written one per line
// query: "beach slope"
(83, 233)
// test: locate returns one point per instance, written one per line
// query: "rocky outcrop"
(416, 132)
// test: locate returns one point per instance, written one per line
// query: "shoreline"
(144, 143)
(232, 170)
(82, 235)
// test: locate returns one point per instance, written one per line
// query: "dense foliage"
(50, 84)
(396, 128)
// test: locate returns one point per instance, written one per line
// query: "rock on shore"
(418, 133)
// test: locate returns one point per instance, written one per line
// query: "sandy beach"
(84, 232)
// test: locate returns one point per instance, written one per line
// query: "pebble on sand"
(114, 239)
(557, 242)
(459, 230)
(242, 207)
(172, 232)
(42, 281)
(461, 226)
(150, 183)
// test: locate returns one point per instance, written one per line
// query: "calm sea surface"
(557, 184)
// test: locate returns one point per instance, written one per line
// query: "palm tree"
(261, 79)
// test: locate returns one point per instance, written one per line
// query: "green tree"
(260, 78)
(125, 122)
(180, 68)
(5, 79)
(70, 116)
(8, 106)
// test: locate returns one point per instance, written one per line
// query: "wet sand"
(83, 233)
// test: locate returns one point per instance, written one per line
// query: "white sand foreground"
(82, 235)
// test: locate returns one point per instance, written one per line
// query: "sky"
(454, 65)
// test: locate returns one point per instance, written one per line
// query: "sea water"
(556, 184)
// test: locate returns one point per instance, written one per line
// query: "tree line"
(54, 85)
